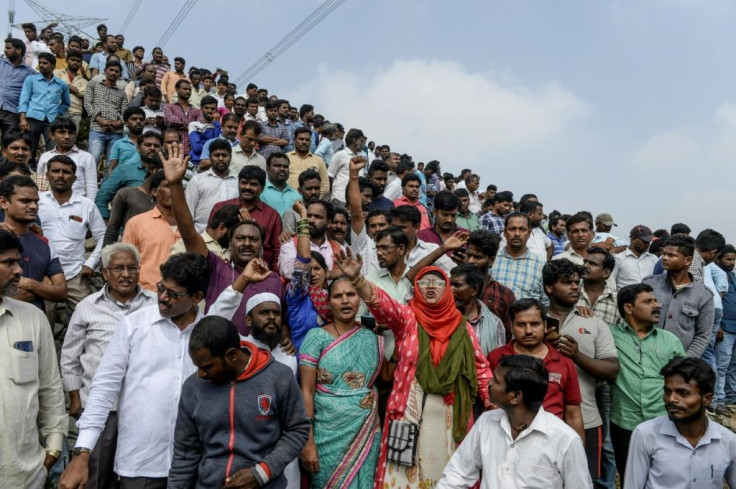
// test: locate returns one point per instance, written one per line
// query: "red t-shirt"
(563, 389)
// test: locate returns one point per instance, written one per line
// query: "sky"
(622, 107)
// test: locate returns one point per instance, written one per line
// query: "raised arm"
(354, 204)
(454, 242)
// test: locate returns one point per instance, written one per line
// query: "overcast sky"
(609, 106)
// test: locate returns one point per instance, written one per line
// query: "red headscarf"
(439, 320)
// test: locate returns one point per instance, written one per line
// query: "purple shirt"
(222, 274)
(429, 235)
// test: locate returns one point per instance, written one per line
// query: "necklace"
(334, 326)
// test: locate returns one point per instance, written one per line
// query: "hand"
(216, 116)
(720, 334)
(349, 265)
(7, 227)
(256, 271)
(23, 125)
(35, 228)
(26, 283)
(299, 208)
(585, 312)
(310, 456)
(244, 214)
(288, 347)
(357, 163)
(456, 241)
(73, 90)
(285, 237)
(86, 272)
(150, 121)
(49, 462)
(76, 474)
(175, 167)
(568, 346)
(75, 404)
(458, 257)
(242, 479)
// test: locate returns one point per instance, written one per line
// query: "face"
(112, 73)
(196, 79)
(179, 304)
(580, 235)
(264, 322)
(111, 45)
(293, 114)
(473, 185)
(645, 309)
(385, 153)
(249, 189)
(388, 253)
(639, 245)
(64, 138)
(139, 53)
(230, 130)
(517, 233)
(499, 396)
(220, 160)
(207, 84)
(252, 109)
(149, 71)
(184, 91)
(536, 216)
(278, 171)
(178, 66)
(148, 148)
(121, 274)
(30, 35)
(408, 228)
(603, 228)
(344, 301)
(22, 206)
(431, 286)
(240, 107)
(153, 101)
(565, 291)
(317, 216)
(529, 328)
(214, 369)
(338, 228)
(310, 190)
(317, 274)
(120, 40)
(378, 180)
(158, 56)
(284, 110)
(208, 111)
(366, 195)
(593, 263)
(272, 113)
(558, 227)
(727, 261)
(229, 101)
(683, 400)
(475, 256)
(60, 176)
(464, 204)
(10, 272)
(502, 208)
(74, 63)
(411, 190)
(162, 194)
(301, 142)
(44, 66)
(245, 244)
(673, 260)
(55, 46)
(392, 160)
(445, 220)
(17, 152)
(375, 224)
(463, 293)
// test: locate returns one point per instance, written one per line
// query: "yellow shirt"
(298, 165)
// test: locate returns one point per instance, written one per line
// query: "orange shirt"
(420, 207)
(151, 233)
(168, 84)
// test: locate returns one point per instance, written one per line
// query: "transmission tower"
(66, 24)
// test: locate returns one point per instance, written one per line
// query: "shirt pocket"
(690, 313)
(540, 476)
(23, 366)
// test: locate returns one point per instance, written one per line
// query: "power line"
(317, 16)
(183, 11)
(131, 14)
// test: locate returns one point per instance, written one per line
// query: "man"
(588, 342)
(33, 401)
(277, 193)
(528, 338)
(684, 448)
(143, 367)
(42, 99)
(153, 233)
(105, 103)
(171, 78)
(309, 189)
(320, 214)
(201, 131)
(131, 175)
(446, 207)
(216, 184)
(158, 60)
(154, 114)
(178, 115)
(725, 391)
(472, 182)
(228, 132)
(130, 202)
(493, 220)
(580, 233)
(549, 454)
(467, 282)
(216, 235)
(99, 61)
(56, 47)
(465, 219)
(339, 169)
(410, 187)
(245, 154)
(16, 152)
(303, 159)
(325, 149)
(139, 53)
(13, 72)
(274, 135)
(391, 250)
(64, 135)
(33, 45)
(272, 426)
(642, 351)
(124, 54)
(19, 202)
(603, 237)
(67, 218)
(393, 188)
(635, 263)
(198, 93)
(91, 328)
(538, 244)
(221, 91)
(246, 238)
(337, 230)
(515, 266)
(377, 178)
(407, 218)
(125, 150)
(596, 292)
(556, 234)
(73, 77)
(687, 306)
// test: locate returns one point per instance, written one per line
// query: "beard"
(272, 340)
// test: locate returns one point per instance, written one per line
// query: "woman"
(338, 365)
(439, 374)
(229, 102)
(306, 296)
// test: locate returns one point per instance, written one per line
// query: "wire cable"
(131, 14)
(183, 11)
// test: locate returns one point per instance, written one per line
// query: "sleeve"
(54, 267)
(311, 349)
(206, 150)
(273, 232)
(463, 469)
(286, 258)
(105, 387)
(89, 98)
(90, 179)
(71, 350)
(97, 228)
(300, 277)
(288, 222)
(172, 120)
(82, 87)
(25, 95)
(575, 472)
(398, 317)
(52, 415)
(65, 99)
(637, 463)
(188, 446)
(571, 392)
(324, 179)
(481, 366)
(227, 303)
(703, 328)
(605, 346)
(115, 221)
(107, 192)
(115, 151)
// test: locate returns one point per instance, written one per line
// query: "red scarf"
(321, 302)
(439, 320)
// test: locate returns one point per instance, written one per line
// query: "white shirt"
(475, 205)
(547, 455)
(422, 249)
(366, 246)
(144, 366)
(86, 182)
(152, 114)
(339, 171)
(631, 269)
(66, 227)
(204, 191)
(288, 255)
(393, 189)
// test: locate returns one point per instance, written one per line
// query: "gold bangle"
(54, 453)
(357, 281)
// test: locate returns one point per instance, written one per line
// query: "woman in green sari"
(338, 364)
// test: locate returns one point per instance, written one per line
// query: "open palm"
(349, 263)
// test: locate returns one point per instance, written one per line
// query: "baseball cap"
(605, 219)
(642, 232)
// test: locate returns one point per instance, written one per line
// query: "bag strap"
(424, 401)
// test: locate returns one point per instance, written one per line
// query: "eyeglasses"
(429, 282)
(173, 295)
(385, 247)
(118, 270)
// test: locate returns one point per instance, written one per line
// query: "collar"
(668, 281)
(6, 304)
(211, 173)
(385, 272)
(287, 188)
(669, 428)
(524, 256)
(628, 329)
(539, 423)
(309, 155)
(72, 200)
(104, 294)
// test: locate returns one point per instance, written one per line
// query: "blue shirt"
(121, 176)
(280, 200)
(36, 261)
(99, 60)
(325, 150)
(125, 151)
(11, 83)
(728, 323)
(206, 148)
(559, 243)
(43, 99)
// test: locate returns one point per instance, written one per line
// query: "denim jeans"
(101, 142)
(726, 370)
(709, 355)
(607, 480)
(37, 129)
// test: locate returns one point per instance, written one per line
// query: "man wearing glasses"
(90, 330)
(143, 368)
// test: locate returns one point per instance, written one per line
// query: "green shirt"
(639, 388)
(471, 223)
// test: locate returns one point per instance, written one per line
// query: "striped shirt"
(523, 275)
(106, 102)
(605, 305)
(279, 131)
(493, 223)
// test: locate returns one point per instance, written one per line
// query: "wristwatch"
(81, 450)
(54, 453)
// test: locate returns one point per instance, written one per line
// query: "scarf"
(455, 377)
(321, 302)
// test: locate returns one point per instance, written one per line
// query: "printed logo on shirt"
(555, 377)
(583, 331)
(264, 403)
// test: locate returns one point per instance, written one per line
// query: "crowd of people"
(287, 304)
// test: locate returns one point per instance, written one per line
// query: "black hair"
(9, 241)
(7, 186)
(252, 172)
(301, 130)
(560, 269)
(684, 244)
(188, 270)
(227, 215)
(512, 215)
(29, 25)
(305, 109)
(527, 375)
(404, 166)
(378, 165)
(207, 100)
(446, 201)
(728, 249)
(529, 206)
(309, 174)
(491, 187)
(461, 192)
(252, 125)
(216, 334)
(398, 238)
(709, 240)
(690, 368)
(249, 222)
(132, 50)
(576, 218)
(503, 196)
(274, 155)
(628, 295)
(131, 111)
(526, 197)
(152, 91)
(272, 104)
(486, 241)
(609, 262)
(74, 53)
(657, 245)
(181, 60)
(156, 179)
(433, 166)
(680, 228)
(406, 213)
(377, 212)
(410, 177)
(522, 305)
(352, 136)
(661, 233)
(472, 275)
(14, 135)
(335, 282)
(113, 63)
(48, 57)
(220, 144)
(251, 86)
(317, 256)
(329, 208)
(17, 44)
(181, 82)
(64, 160)
(63, 123)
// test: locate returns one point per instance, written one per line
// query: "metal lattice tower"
(67, 24)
